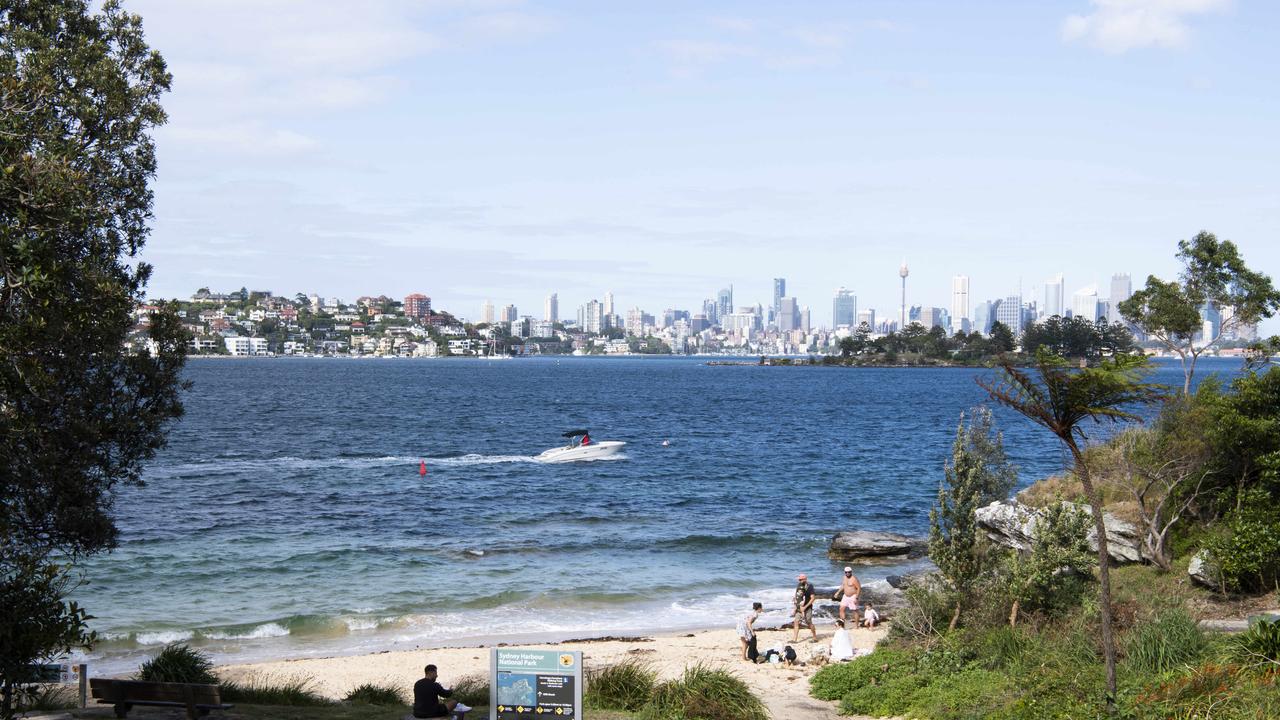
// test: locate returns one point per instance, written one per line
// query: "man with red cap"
(803, 612)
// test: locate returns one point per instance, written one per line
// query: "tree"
(78, 415)
(978, 473)
(1060, 400)
(1213, 276)
(1049, 577)
(1002, 339)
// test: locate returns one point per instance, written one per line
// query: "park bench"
(124, 694)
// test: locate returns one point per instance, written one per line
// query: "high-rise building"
(709, 309)
(959, 300)
(1055, 300)
(788, 315)
(509, 314)
(551, 310)
(635, 322)
(608, 303)
(724, 302)
(805, 326)
(1121, 290)
(1009, 314)
(486, 312)
(931, 317)
(867, 317)
(844, 308)
(417, 305)
(984, 314)
(1084, 303)
(902, 273)
(779, 291)
(591, 317)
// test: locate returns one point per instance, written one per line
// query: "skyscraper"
(804, 320)
(509, 314)
(1009, 314)
(1121, 290)
(1084, 303)
(724, 303)
(902, 273)
(486, 312)
(608, 303)
(844, 308)
(959, 301)
(1055, 300)
(551, 312)
(779, 290)
(788, 315)
(417, 305)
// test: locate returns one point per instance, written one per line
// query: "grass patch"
(179, 663)
(1170, 640)
(623, 686)
(374, 694)
(472, 690)
(704, 693)
(260, 690)
(45, 698)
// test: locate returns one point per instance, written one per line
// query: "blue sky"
(503, 150)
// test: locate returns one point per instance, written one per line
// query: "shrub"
(890, 695)
(179, 663)
(703, 693)
(1247, 559)
(1171, 640)
(1004, 647)
(1259, 645)
(472, 690)
(971, 694)
(42, 698)
(833, 682)
(373, 694)
(296, 691)
(624, 686)
(926, 614)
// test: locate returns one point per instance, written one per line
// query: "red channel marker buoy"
(422, 468)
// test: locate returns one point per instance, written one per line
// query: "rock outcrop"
(867, 547)
(1012, 524)
(1200, 570)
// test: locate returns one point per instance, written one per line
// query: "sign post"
(534, 684)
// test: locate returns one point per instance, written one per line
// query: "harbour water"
(288, 517)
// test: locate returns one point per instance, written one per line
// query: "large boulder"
(1201, 571)
(1013, 524)
(866, 546)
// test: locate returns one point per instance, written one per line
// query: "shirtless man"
(851, 589)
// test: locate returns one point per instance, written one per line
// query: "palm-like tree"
(1060, 399)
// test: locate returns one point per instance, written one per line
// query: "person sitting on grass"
(426, 697)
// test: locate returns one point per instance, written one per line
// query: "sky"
(502, 150)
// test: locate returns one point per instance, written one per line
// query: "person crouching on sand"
(803, 612)
(747, 633)
(870, 617)
(426, 697)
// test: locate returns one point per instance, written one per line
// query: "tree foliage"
(1213, 275)
(1078, 338)
(79, 93)
(1054, 575)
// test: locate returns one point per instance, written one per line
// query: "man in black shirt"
(803, 608)
(426, 696)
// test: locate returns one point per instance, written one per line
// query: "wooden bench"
(124, 694)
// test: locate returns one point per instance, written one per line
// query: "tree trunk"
(1013, 615)
(1104, 574)
(955, 617)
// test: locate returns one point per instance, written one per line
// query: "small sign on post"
(534, 684)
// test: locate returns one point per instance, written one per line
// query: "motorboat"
(581, 447)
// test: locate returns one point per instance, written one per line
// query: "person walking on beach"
(747, 633)
(426, 696)
(850, 589)
(803, 612)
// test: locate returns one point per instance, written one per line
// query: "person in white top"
(841, 643)
(746, 631)
(870, 617)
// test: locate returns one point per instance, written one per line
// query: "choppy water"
(287, 516)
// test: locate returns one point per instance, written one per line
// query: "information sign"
(534, 684)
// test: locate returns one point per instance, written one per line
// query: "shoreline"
(785, 690)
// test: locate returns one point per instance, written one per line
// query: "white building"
(245, 346)
(551, 310)
(959, 302)
(1084, 303)
(1054, 297)
(486, 313)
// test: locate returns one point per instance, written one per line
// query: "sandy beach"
(785, 690)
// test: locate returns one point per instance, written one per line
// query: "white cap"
(848, 569)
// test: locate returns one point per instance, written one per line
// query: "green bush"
(373, 694)
(472, 690)
(1004, 647)
(973, 694)
(925, 615)
(889, 695)
(1259, 645)
(295, 691)
(833, 682)
(45, 698)
(624, 686)
(1247, 558)
(179, 663)
(703, 693)
(1170, 640)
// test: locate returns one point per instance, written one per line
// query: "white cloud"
(1116, 26)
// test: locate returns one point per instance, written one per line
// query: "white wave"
(356, 624)
(266, 630)
(162, 637)
(475, 459)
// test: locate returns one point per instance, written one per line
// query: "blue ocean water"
(287, 517)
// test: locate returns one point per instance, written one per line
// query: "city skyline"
(466, 149)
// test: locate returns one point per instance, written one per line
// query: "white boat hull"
(594, 451)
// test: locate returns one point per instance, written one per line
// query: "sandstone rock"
(865, 546)
(1012, 524)
(1200, 571)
